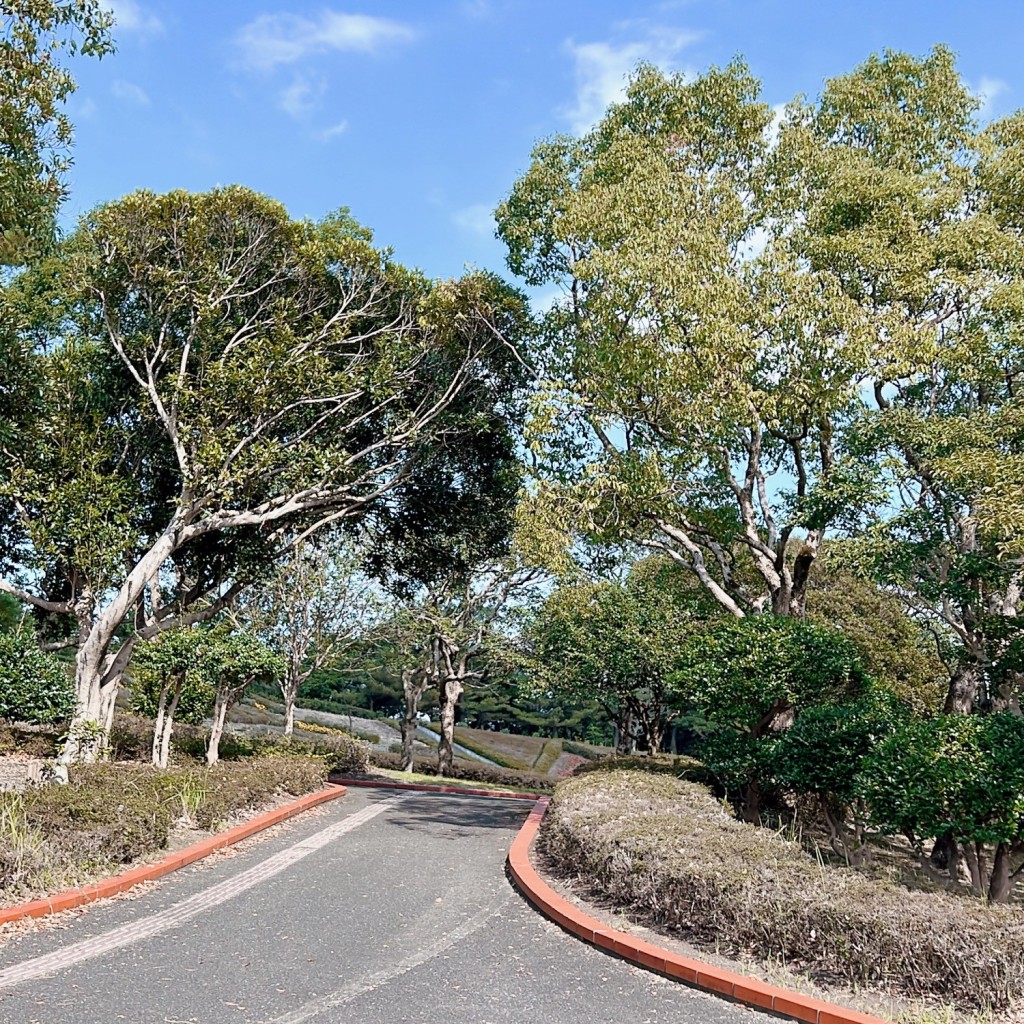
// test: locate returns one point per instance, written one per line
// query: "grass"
(520, 753)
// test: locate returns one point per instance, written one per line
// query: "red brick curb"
(146, 873)
(426, 787)
(693, 972)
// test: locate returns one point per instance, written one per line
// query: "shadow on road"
(450, 818)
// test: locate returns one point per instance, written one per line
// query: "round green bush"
(34, 686)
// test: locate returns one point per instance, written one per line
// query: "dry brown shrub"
(670, 852)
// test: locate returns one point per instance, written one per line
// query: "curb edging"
(73, 898)
(696, 973)
(424, 787)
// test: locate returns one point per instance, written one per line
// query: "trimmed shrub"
(230, 788)
(105, 813)
(668, 851)
(960, 776)
(468, 771)
(34, 686)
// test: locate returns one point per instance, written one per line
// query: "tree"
(915, 211)
(221, 383)
(172, 681)
(901, 653)
(752, 678)
(616, 643)
(234, 661)
(699, 375)
(35, 134)
(315, 605)
(961, 776)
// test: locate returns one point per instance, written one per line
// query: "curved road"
(380, 908)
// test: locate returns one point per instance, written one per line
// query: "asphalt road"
(379, 909)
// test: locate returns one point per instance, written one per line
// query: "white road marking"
(359, 986)
(136, 931)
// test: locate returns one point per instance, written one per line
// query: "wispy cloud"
(602, 69)
(130, 16)
(987, 91)
(274, 39)
(302, 96)
(477, 219)
(129, 92)
(333, 132)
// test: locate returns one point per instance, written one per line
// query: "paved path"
(379, 909)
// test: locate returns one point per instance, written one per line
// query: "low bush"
(105, 813)
(36, 686)
(661, 764)
(468, 771)
(667, 850)
(111, 814)
(32, 741)
(581, 750)
(231, 788)
(131, 740)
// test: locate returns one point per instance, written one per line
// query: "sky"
(420, 115)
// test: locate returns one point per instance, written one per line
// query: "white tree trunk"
(220, 710)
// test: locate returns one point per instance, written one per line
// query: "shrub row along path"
(379, 907)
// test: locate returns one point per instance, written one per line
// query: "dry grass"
(669, 851)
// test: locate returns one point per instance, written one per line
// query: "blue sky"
(419, 115)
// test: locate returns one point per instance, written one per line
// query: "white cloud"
(273, 39)
(602, 69)
(333, 132)
(987, 91)
(129, 16)
(129, 92)
(301, 98)
(477, 219)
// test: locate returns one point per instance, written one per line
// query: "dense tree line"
(757, 475)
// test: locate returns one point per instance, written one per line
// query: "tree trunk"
(168, 726)
(653, 733)
(1000, 884)
(220, 710)
(289, 714)
(752, 802)
(624, 740)
(451, 690)
(413, 685)
(158, 724)
(95, 685)
(963, 688)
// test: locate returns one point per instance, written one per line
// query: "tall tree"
(35, 133)
(698, 374)
(616, 643)
(916, 211)
(221, 383)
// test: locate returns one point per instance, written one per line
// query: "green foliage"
(177, 656)
(10, 613)
(36, 132)
(746, 673)
(34, 685)
(824, 751)
(616, 643)
(957, 774)
(897, 651)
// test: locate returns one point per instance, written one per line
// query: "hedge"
(669, 851)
